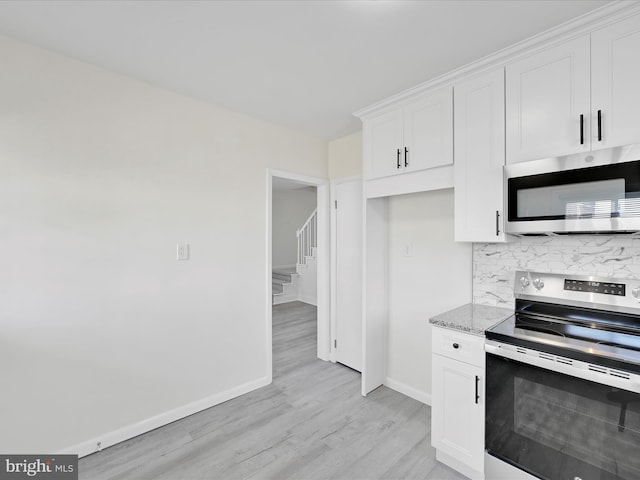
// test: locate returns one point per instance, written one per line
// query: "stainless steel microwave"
(597, 192)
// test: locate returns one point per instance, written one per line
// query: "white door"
(547, 97)
(374, 328)
(348, 341)
(615, 81)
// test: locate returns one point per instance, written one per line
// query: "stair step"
(280, 281)
(283, 284)
(286, 278)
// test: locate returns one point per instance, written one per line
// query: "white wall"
(291, 208)
(434, 279)
(308, 283)
(101, 175)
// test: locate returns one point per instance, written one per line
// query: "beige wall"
(345, 156)
(101, 176)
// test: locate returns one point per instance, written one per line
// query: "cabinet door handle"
(455, 345)
(581, 129)
(599, 125)
(398, 158)
(477, 395)
(406, 152)
(497, 223)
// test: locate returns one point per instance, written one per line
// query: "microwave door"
(604, 198)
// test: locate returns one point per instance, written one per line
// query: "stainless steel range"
(563, 381)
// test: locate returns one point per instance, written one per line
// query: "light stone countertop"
(471, 318)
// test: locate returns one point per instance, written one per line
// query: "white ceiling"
(306, 65)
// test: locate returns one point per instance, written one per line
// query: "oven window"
(555, 426)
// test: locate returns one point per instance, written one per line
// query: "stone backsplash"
(495, 264)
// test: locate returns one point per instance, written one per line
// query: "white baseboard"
(405, 389)
(284, 298)
(309, 300)
(111, 438)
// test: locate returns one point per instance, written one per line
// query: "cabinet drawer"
(461, 346)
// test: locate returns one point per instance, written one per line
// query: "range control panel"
(595, 287)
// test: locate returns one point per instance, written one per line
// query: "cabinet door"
(479, 158)
(615, 85)
(428, 131)
(382, 141)
(457, 417)
(546, 94)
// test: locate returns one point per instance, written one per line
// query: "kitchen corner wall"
(428, 273)
(495, 264)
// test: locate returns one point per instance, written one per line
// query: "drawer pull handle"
(455, 345)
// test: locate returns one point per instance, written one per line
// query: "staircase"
(299, 282)
(284, 285)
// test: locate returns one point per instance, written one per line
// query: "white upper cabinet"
(615, 84)
(383, 136)
(580, 96)
(479, 158)
(428, 130)
(412, 136)
(548, 103)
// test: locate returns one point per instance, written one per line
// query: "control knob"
(524, 281)
(538, 283)
(636, 293)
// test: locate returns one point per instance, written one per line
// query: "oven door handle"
(567, 366)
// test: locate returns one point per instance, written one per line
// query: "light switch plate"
(183, 251)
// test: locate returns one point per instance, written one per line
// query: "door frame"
(322, 262)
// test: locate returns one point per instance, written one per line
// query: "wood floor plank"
(311, 423)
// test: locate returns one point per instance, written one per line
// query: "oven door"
(554, 425)
(598, 198)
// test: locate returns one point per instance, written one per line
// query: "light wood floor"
(310, 423)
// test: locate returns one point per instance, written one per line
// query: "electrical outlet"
(407, 251)
(183, 251)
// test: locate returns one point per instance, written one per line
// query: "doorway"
(292, 181)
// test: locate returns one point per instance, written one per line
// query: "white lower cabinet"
(457, 410)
